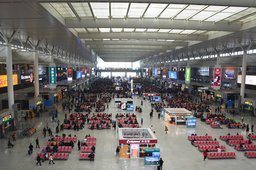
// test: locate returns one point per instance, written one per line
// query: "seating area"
(252, 136)
(221, 155)
(87, 151)
(197, 143)
(60, 156)
(215, 125)
(66, 139)
(237, 142)
(231, 137)
(127, 120)
(246, 147)
(250, 154)
(74, 121)
(211, 148)
(100, 121)
(200, 138)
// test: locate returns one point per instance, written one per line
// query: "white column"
(244, 66)
(8, 52)
(218, 59)
(36, 77)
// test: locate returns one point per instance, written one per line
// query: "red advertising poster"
(216, 78)
(70, 72)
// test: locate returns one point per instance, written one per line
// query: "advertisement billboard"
(229, 73)
(216, 78)
(187, 74)
(70, 74)
(173, 74)
(3, 80)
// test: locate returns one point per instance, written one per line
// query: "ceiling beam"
(126, 50)
(151, 23)
(126, 47)
(137, 42)
(247, 3)
(128, 35)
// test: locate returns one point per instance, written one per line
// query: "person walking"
(252, 126)
(117, 150)
(247, 128)
(205, 154)
(160, 166)
(141, 121)
(79, 145)
(44, 131)
(51, 159)
(38, 159)
(30, 149)
(13, 137)
(159, 115)
(166, 129)
(37, 143)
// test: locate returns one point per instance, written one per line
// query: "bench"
(210, 148)
(60, 156)
(200, 138)
(237, 142)
(222, 155)
(85, 156)
(196, 143)
(250, 154)
(246, 147)
(86, 150)
(231, 137)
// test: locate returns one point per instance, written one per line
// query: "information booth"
(135, 141)
(177, 116)
(124, 104)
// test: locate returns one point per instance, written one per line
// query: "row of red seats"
(208, 121)
(250, 154)
(237, 142)
(66, 126)
(74, 139)
(210, 148)
(252, 137)
(60, 156)
(130, 125)
(247, 147)
(65, 149)
(221, 155)
(86, 150)
(90, 139)
(231, 137)
(85, 156)
(201, 138)
(196, 143)
(215, 125)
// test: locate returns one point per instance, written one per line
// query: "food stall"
(177, 116)
(134, 141)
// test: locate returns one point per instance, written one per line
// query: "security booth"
(135, 141)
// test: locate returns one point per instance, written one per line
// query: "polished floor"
(176, 150)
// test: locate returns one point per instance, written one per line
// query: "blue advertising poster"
(129, 107)
(172, 75)
(191, 122)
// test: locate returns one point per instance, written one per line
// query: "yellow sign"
(3, 80)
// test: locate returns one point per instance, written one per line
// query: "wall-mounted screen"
(229, 73)
(172, 75)
(203, 71)
(249, 80)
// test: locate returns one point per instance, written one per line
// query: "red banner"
(216, 78)
(142, 141)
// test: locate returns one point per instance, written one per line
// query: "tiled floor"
(176, 150)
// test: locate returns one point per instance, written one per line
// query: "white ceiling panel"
(164, 30)
(152, 30)
(176, 31)
(92, 30)
(128, 29)
(82, 9)
(63, 9)
(185, 14)
(154, 10)
(116, 29)
(104, 29)
(119, 10)
(137, 9)
(100, 10)
(202, 15)
(140, 29)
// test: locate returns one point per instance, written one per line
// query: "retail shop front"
(137, 143)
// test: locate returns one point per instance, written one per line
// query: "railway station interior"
(127, 84)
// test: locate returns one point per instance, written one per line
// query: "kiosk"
(134, 141)
(177, 116)
(124, 104)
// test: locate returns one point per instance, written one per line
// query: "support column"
(36, 77)
(218, 59)
(8, 51)
(244, 66)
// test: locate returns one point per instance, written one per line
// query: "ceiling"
(132, 30)
(127, 30)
